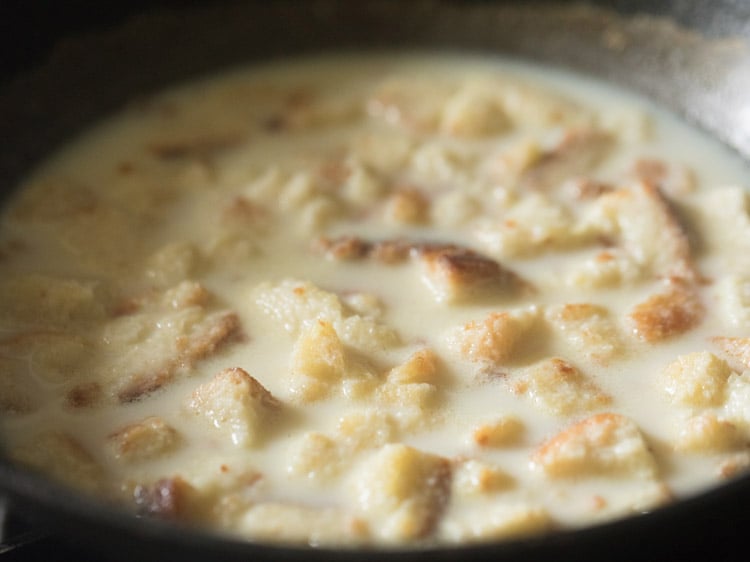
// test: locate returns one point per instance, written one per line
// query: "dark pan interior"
(78, 65)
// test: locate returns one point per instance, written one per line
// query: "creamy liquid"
(229, 182)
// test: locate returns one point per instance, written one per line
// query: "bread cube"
(736, 350)
(612, 267)
(413, 401)
(298, 304)
(456, 274)
(510, 164)
(473, 478)
(647, 228)
(186, 294)
(736, 409)
(236, 404)
(420, 367)
(407, 205)
(604, 444)
(588, 328)
(534, 225)
(497, 521)
(402, 491)
(559, 388)
(674, 310)
(697, 379)
(367, 428)
(495, 339)
(473, 112)
(362, 187)
(500, 432)
(323, 457)
(705, 433)
(410, 389)
(318, 362)
(148, 439)
(318, 457)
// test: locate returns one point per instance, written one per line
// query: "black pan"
(67, 65)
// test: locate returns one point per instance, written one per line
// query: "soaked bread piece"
(602, 444)
(147, 439)
(235, 403)
(404, 490)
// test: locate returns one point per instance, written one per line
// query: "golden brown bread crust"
(494, 339)
(147, 439)
(558, 387)
(453, 272)
(235, 403)
(675, 310)
(605, 443)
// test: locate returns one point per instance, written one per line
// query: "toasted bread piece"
(297, 304)
(736, 350)
(407, 205)
(647, 227)
(494, 339)
(705, 433)
(673, 311)
(474, 112)
(604, 444)
(458, 274)
(475, 478)
(503, 520)
(697, 379)
(318, 362)
(500, 432)
(144, 440)
(236, 403)
(324, 457)
(589, 329)
(558, 387)
(402, 492)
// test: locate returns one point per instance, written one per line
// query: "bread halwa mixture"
(381, 299)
